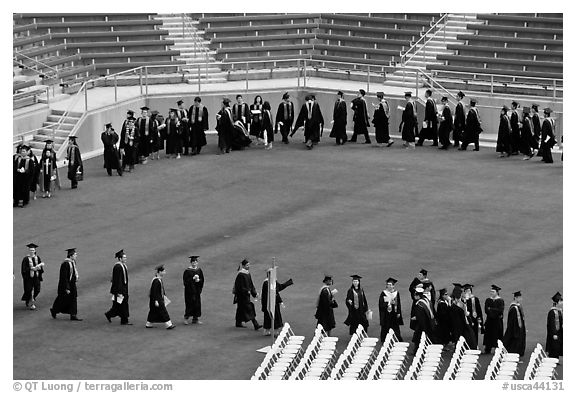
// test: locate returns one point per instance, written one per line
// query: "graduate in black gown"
(267, 132)
(548, 139)
(128, 145)
(285, 117)
(225, 127)
(278, 305)
(241, 112)
(459, 317)
(422, 278)
(256, 117)
(325, 305)
(157, 143)
(446, 125)
(174, 129)
(503, 143)
(536, 123)
(35, 178)
(198, 118)
(515, 125)
(111, 156)
(459, 120)
(193, 279)
(381, 121)
(243, 291)
(430, 126)
(424, 319)
(474, 309)
(473, 127)
(390, 310)
(361, 118)
(339, 120)
(66, 302)
(184, 140)
(527, 141)
(443, 317)
(311, 118)
(514, 339)
(555, 327)
(146, 138)
(119, 290)
(158, 301)
(357, 306)
(494, 325)
(22, 173)
(32, 270)
(49, 178)
(409, 122)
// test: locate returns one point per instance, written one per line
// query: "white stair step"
(67, 120)
(62, 133)
(63, 126)
(42, 138)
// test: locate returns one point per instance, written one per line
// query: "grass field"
(377, 212)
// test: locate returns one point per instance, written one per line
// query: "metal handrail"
(34, 60)
(423, 37)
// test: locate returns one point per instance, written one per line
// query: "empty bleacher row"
(72, 47)
(363, 360)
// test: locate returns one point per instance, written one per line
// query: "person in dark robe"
(459, 120)
(32, 270)
(267, 132)
(514, 339)
(459, 318)
(381, 121)
(408, 123)
(430, 125)
(390, 310)
(421, 278)
(360, 118)
(193, 279)
(278, 305)
(22, 172)
(555, 327)
(473, 128)
(256, 118)
(35, 178)
(339, 120)
(240, 137)
(243, 291)
(527, 141)
(241, 112)
(424, 319)
(128, 145)
(357, 306)
(146, 138)
(173, 134)
(224, 127)
(158, 301)
(48, 172)
(119, 290)
(548, 139)
(326, 304)
(111, 156)
(198, 119)
(75, 166)
(67, 300)
(161, 128)
(503, 143)
(156, 142)
(311, 118)
(474, 309)
(515, 125)
(445, 126)
(494, 325)
(536, 123)
(129, 116)
(443, 317)
(285, 117)
(183, 142)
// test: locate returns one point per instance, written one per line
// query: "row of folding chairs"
(464, 363)
(391, 359)
(540, 366)
(503, 366)
(427, 361)
(282, 357)
(318, 359)
(357, 358)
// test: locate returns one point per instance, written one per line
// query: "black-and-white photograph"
(297, 195)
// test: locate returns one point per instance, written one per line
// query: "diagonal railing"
(419, 45)
(36, 62)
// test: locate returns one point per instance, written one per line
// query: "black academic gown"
(443, 317)
(173, 136)
(475, 316)
(494, 324)
(515, 134)
(340, 119)
(198, 126)
(278, 322)
(35, 178)
(445, 127)
(460, 324)
(459, 123)
(390, 315)
(21, 180)
(312, 122)
(554, 327)
(146, 136)
(225, 127)
(157, 314)
(472, 130)
(424, 322)
(243, 291)
(267, 126)
(360, 118)
(548, 140)
(129, 144)
(356, 316)
(119, 287)
(409, 122)
(256, 120)
(527, 141)
(431, 119)
(325, 309)
(242, 114)
(285, 115)
(537, 127)
(515, 336)
(381, 121)
(31, 278)
(193, 292)
(66, 301)
(503, 143)
(111, 156)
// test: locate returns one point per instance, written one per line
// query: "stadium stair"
(59, 137)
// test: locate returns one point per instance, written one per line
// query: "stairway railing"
(419, 45)
(187, 26)
(36, 63)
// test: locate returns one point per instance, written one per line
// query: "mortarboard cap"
(71, 251)
(130, 112)
(495, 287)
(174, 110)
(391, 280)
(380, 94)
(179, 102)
(108, 125)
(557, 297)
(505, 108)
(154, 112)
(72, 137)
(535, 107)
(245, 262)
(119, 254)
(526, 109)
(48, 141)
(473, 101)
(31, 245)
(340, 93)
(515, 103)
(443, 292)
(424, 272)
(24, 147)
(197, 99)
(312, 96)
(457, 285)
(457, 292)
(194, 257)
(517, 293)
(144, 108)
(327, 278)
(285, 96)
(362, 91)
(444, 99)
(159, 268)
(408, 94)
(461, 95)
(467, 286)
(356, 277)
(547, 111)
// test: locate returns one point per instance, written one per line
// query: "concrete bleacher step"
(56, 117)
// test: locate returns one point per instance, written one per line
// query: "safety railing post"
(554, 85)
(116, 89)
(298, 72)
(86, 98)
(246, 77)
(140, 78)
(417, 83)
(491, 84)
(368, 81)
(304, 68)
(146, 80)
(199, 86)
